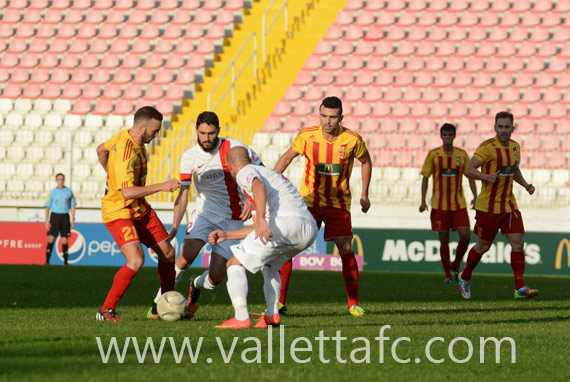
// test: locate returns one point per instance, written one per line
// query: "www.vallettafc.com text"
(323, 348)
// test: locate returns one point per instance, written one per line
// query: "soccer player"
(330, 150)
(447, 165)
(126, 213)
(220, 205)
(283, 228)
(499, 159)
(60, 203)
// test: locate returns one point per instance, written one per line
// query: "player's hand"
(172, 233)
(246, 208)
(423, 207)
(48, 226)
(170, 185)
(217, 236)
(263, 232)
(72, 223)
(530, 189)
(492, 178)
(364, 204)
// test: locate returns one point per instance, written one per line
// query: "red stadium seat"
(416, 34)
(78, 46)
(364, 78)
(393, 94)
(323, 78)
(91, 91)
(343, 48)
(404, 79)
(143, 76)
(313, 94)
(344, 18)
(558, 112)
(103, 107)
(59, 76)
(374, 64)
(165, 77)
(538, 111)
(302, 109)
(354, 63)
(414, 141)
(394, 64)
(395, 33)
(160, 17)
(548, 49)
(304, 77)
(292, 124)
(403, 158)
(530, 96)
(313, 63)
(354, 33)
(412, 94)
(334, 33)
(282, 109)
(531, 143)
(182, 18)
(353, 94)
(344, 78)
(563, 80)
(525, 126)
(150, 31)
(333, 63)
(477, 110)
(17, 45)
(401, 109)
(323, 47)
(132, 92)
(419, 110)
(450, 95)
(81, 106)
(19, 76)
(370, 125)
(373, 33)
(381, 109)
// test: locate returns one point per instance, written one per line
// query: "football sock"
(444, 254)
(271, 286)
(285, 275)
(459, 253)
(167, 275)
(518, 265)
(473, 259)
(48, 251)
(179, 272)
(65, 249)
(203, 281)
(237, 289)
(350, 274)
(121, 282)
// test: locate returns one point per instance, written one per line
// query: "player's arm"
(47, 223)
(366, 176)
(473, 172)
(180, 205)
(423, 204)
(72, 210)
(285, 160)
(219, 236)
(519, 178)
(262, 230)
(473, 188)
(103, 155)
(135, 192)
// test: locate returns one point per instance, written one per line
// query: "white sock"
(237, 289)
(203, 281)
(177, 279)
(271, 289)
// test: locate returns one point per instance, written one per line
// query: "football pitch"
(416, 329)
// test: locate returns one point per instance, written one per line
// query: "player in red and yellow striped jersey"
(447, 165)
(125, 212)
(499, 159)
(330, 150)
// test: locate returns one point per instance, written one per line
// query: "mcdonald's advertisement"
(418, 251)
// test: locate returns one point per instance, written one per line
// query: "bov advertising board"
(418, 250)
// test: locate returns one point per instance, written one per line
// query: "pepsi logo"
(76, 249)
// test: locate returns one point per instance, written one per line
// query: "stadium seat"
(71, 91)
(81, 106)
(466, 49)
(419, 110)
(91, 91)
(101, 76)
(373, 33)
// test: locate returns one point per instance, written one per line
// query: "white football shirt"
(283, 199)
(218, 193)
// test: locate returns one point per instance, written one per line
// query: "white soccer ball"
(171, 306)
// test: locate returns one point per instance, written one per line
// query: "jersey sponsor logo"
(564, 243)
(449, 172)
(342, 152)
(76, 247)
(212, 175)
(507, 171)
(328, 169)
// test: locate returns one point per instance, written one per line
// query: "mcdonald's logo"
(329, 167)
(356, 240)
(564, 243)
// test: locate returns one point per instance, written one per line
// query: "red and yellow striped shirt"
(447, 171)
(328, 166)
(498, 197)
(126, 167)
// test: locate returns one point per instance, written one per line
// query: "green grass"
(47, 328)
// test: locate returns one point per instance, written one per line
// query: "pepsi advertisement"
(89, 244)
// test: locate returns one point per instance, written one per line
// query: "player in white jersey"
(219, 205)
(283, 228)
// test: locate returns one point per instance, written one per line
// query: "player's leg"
(65, 231)
(166, 271)
(513, 229)
(209, 279)
(237, 289)
(49, 247)
(462, 245)
(473, 258)
(444, 255)
(349, 273)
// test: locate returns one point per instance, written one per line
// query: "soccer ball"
(171, 306)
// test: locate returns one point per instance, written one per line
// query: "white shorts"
(200, 226)
(291, 236)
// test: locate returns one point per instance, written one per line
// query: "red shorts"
(443, 221)
(148, 229)
(337, 221)
(488, 224)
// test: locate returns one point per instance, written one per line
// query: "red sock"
(459, 253)
(517, 263)
(472, 260)
(167, 274)
(444, 254)
(350, 274)
(121, 283)
(285, 275)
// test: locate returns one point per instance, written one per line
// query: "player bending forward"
(287, 230)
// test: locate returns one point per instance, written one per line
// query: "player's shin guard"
(271, 287)
(121, 282)
(350, 274)
(49, 248)
(167, 275)
(473, 259)
(444, 254)
(285, 275)
(518, 265)
(238, 289)
(65, 249)
(459, 253)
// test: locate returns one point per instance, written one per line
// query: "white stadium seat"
(93, 122)
(6, 137)
(13, 121)
(15, 188)
(72, 122)
(53, 154)
(62, 138)
(43, 137)
(34, 189)
(42, 106)
(82, 138)
(33, 122)
(7, 170)
(6, 105)
(44, 170)
(81, 171)
(23, 105)
(114, 123)
(15, 154)
(90, 155)
(34, 154)
(61, 106)
(25, 170)
(53, 122)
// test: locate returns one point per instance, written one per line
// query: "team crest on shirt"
(457, 161)
(517, 157)
(342, 152)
